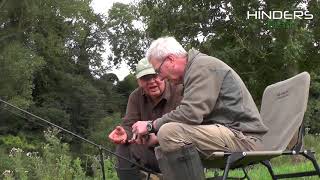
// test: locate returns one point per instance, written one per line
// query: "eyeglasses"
(158, 70)
(148, 77)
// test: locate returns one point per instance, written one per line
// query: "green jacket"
(215, 94)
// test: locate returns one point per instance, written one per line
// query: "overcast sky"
(102, 6)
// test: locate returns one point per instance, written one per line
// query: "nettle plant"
(54, 160)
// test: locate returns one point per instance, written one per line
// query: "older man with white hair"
(217, 112)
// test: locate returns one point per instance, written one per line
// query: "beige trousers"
(206, 138)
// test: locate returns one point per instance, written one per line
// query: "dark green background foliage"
(51, 60)
(51, 65)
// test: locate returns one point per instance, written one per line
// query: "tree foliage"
(125, 35)
(52, 65)
(262, 51)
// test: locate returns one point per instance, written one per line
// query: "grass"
(261, 173)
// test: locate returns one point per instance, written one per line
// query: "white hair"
(164, 46)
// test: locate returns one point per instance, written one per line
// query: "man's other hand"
(118, 135)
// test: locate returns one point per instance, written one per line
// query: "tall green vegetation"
(53, 159)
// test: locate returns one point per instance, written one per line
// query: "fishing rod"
(83, 139)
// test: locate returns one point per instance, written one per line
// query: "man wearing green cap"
(153, 98)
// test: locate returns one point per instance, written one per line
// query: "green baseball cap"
(144, 68)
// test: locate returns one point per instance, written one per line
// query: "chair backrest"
(282, 110)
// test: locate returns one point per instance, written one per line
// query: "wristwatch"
(150, 128)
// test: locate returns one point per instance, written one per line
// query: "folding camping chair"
(282, 110)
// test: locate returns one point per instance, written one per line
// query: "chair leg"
(245, 173)
(148, 176)
(226, 171)
(309, 155)
(234, 157)
(267, 164)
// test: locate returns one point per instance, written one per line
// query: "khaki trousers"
(207, 138)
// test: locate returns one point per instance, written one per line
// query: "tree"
(125, 87)
(262, 51)
(51, 58)
(312, 115)
(17, 69)
(125, 35)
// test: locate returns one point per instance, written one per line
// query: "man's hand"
(140, 128)
(148, 139)
(137, 139)
(118, 135)
(152, 140)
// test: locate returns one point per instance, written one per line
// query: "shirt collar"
(192, 53)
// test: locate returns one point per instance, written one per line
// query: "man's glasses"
(148, 77)
(158, 70)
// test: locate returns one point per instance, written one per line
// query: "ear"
(171, 58)
(139, 82)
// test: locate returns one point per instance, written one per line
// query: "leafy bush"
(54, 160)
(109, 169)
(99, 133)
(16, 141)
